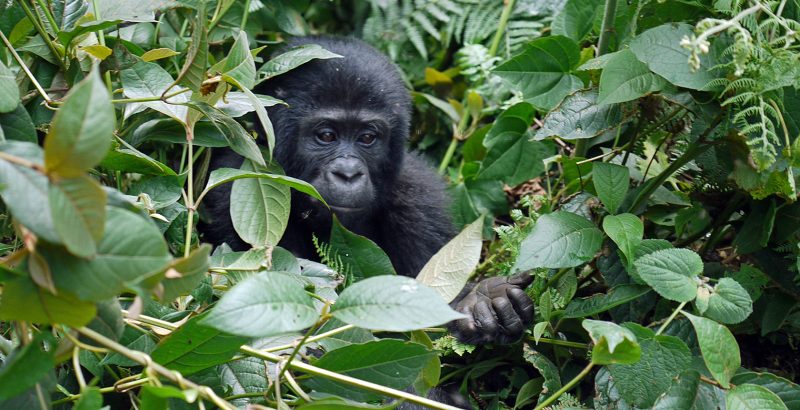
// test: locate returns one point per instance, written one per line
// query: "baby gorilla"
(344, 131)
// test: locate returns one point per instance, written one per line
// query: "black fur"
(408, 217)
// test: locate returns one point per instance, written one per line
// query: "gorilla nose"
(346, 170)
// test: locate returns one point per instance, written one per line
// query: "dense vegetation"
(637, 156)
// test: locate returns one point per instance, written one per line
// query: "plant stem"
(312, 338)
(323, 318)
(607, 28)
(670, 318)
(24, 67)
(501, 28)
(187, 246)
(47, 13)
(557, 342)
(21, 161)
(457, 133)
(42, 32)
(163, 98)
(145, 360)
(550, 400)
(245, 15)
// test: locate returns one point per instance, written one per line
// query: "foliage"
(639, 158)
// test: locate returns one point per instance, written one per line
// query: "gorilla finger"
(523, 304)
(485, 318)
(509, 320)
(522, 279)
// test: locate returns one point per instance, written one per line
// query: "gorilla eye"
(366, 139)
(326, 136)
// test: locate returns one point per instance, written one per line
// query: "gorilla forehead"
(363, 79)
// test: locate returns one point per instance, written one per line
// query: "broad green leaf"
(24, 191)
(194, 347)
(264, 304)
(595, 304)
(24, 367)
(719, 348)
(238, 103)
(685, 392)
(129, 11)
(514, 158)
(359, 253)
(559, 240)
(543, 71)
(205, 133)
(579, 117)
(157, 397)
(17, 125)
(259, 209)
(149, 80)
(728, 302)
(238, 139)
(158, 54)
(576, 19)
(142, 342)
(393, 303)
(193, 72)
(91, 398)
(663, 358)
(98, 51)
(248, 375)
(672, 273)
(239, 65)
(625, 78)
(292, 59)
(66, 37)
(133, 160)
(627, 231)
(131, 250)
(191, 269)
(612, 343)
(67, 13)
(389, 362)
(220, 176)
(750, 396)
(82, 129)
(611, 182)
(788, 392)
(108, 321)
(78, 209)
(660, 49)
(263, 118)
(449, 269)
(548, 370)
(9, 92)
(23, 300)
(442, 105)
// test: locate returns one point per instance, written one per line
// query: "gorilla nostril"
(346, 176)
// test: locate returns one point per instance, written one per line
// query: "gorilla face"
(344, 148)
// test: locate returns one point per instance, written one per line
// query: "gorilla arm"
(417, 225)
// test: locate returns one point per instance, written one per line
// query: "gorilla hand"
(498, 310)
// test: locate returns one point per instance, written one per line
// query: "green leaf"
(259, 209)
(157, 397)
(576, 19)
(627, 231)
(392, 303)
(788, 392)
(264, 304)
(750, 396)
(66, 14)
(663, 358)
(24, 191)
(192, 270)
(24, 367)
(728, 302)
(625, 78)
(132, 160)
(683, 393)
(672, 273)
(660, 49)
(239, 65)
(559, 240)
(512, 157)
(23, 300)
(193, 72)
(293, 59)
(91, 398)
(149, 80)
(611, 183)
(17, 125)
(579, 117)
(719, 348)
(220, 176)
(542, 71)
(248, 375)
(612, 343)
(131, 250)
(263, 118)
(449, 269)
(548, 370)
(82, 129)
(158, 54)
(391, 363)
(9, 92)
(362, 255)
(129, 11)
(194, 347)
(78, 208)
(238, 139)
(595, 304)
